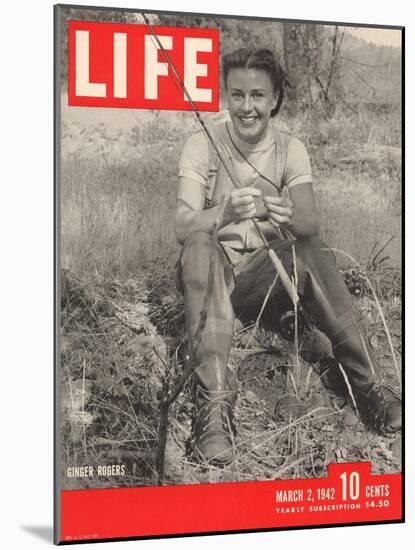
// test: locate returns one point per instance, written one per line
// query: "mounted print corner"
(228, 197)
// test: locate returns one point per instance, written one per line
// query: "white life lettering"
(83, 86)
(153, 68)
(193, 69)
(120, 64)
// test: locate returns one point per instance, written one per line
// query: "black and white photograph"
(258, 371)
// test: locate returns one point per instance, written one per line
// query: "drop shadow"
(43, 532)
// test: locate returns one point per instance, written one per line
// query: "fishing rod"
(279, 268)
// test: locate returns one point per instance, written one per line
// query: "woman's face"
(251, 98)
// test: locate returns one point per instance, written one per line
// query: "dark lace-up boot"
(213, 429)
(380, 406)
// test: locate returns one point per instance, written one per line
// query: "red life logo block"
(122, 65)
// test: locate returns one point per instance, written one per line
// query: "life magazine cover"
(228, 274)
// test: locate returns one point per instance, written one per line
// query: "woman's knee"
(196, 248)
(309, 242)
(312, 245)
(200, 238)
(195, 259)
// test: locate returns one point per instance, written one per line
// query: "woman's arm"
(191, 218)
(298, 213)
(304, 220)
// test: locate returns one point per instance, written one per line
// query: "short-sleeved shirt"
(194, 165)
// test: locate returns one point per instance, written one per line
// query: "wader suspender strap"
(213, 170)
(281, 145)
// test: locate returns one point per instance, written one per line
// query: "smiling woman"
(233, 272)
(253, 86)
(251, 98)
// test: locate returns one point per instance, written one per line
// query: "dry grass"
(364, 213)
(289, 425)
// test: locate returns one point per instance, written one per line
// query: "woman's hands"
(297, 212)
(241, 205)
(280, 210)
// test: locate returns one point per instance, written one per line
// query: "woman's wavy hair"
(261, 59)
